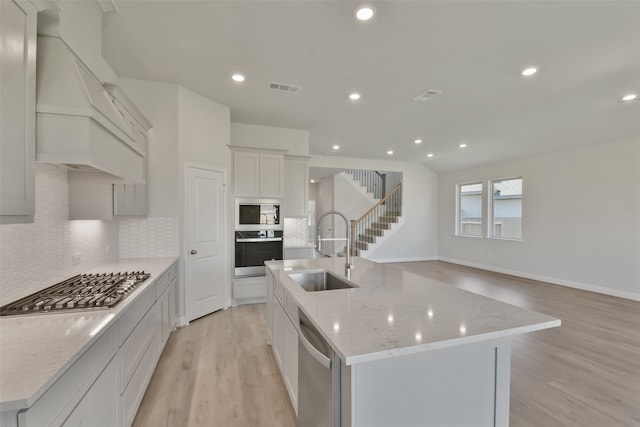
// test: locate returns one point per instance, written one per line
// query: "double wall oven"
(258, 235)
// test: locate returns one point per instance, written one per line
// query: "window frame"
(491, 210)
(458, 206)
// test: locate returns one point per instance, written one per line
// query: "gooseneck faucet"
(348, 266)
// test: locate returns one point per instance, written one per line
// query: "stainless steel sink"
(314, 281)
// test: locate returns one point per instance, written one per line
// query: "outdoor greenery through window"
(470, 210)
(506, 209)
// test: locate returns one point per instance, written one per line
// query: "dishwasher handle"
(314, 352)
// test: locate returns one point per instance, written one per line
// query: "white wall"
(581, 219)
(417, 238)
(295, 141)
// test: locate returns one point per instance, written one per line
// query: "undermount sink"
(320, 281)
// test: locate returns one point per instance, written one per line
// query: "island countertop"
(35, 350)
(392, 312)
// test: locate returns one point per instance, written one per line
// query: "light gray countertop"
(35, 350)
(394, 312)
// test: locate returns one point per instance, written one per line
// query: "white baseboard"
(568, 283)
(392, 260)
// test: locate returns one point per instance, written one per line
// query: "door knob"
(193, 252)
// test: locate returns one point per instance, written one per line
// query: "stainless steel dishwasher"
(318, 379)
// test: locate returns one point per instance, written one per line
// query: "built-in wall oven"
(258, 214)
(253, 248)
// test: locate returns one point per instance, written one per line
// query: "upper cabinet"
(18, 23)
(296, 185)
(258, 173)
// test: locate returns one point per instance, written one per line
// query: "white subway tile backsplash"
(149, 237)
(295, 232)
(34, 256)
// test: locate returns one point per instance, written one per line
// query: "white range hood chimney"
(78, 124)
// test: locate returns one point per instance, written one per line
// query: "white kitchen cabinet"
(258, 173)
(269, 307)
(60, 400)
(282, 320)
(17, 111)
(130, 200)
(290, 371)
(296, 185)
(93, 195)
(277, 342)
(99, 407)
(271, 175)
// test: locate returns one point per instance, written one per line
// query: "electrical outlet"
(75, 259)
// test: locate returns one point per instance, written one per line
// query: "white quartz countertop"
(35, 350)
(393, 312)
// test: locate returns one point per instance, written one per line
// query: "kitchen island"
(413, 351)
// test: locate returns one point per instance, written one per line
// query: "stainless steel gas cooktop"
(81, 292)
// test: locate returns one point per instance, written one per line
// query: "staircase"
(380, 218)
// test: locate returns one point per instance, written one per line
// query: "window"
(469, 216)
(505, 209)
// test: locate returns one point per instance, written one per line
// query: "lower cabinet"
(282, 322)
(105, 386)
(99, 407)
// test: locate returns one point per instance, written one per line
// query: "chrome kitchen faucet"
(348, 266)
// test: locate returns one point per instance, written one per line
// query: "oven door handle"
(260, 240)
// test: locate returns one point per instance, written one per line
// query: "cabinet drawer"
(58, 401)
(132, 395)
(165, 280)
(134, 313)
(133, 349)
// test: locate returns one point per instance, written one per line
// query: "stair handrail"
(369, 217)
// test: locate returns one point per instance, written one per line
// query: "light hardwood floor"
(219, 371)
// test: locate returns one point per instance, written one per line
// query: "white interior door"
(205, 244)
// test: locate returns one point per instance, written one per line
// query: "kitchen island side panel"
(466, 385)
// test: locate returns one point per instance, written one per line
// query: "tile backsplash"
(52, 248)
(295, 232)
(149, 237)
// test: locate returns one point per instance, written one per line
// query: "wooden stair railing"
(378, 218)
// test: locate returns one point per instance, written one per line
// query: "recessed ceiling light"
(630, 97)
(364, 13)
(530, 71)
(336, 147)
(463, 145)
(417, 141)
(430, 155)
(354, 96)
(238, 78)
(312, 181)
(390, 152)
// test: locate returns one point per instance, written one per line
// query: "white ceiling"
(588, 53)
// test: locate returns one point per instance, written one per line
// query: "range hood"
(78, 124)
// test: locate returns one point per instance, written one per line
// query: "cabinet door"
(278, 333)
(291, 360)
(130, 199)
(17, 110)
(269, 307)
(271, 175)
(172, 305)
(296, 186)
(246, 170)
(99, 407)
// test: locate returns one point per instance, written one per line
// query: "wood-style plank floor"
(219, 371)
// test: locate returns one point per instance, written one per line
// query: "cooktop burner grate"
(81, 292)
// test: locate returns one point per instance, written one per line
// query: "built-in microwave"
(262, 214)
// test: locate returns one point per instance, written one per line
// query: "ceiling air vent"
(285, 87)
(424, 97)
